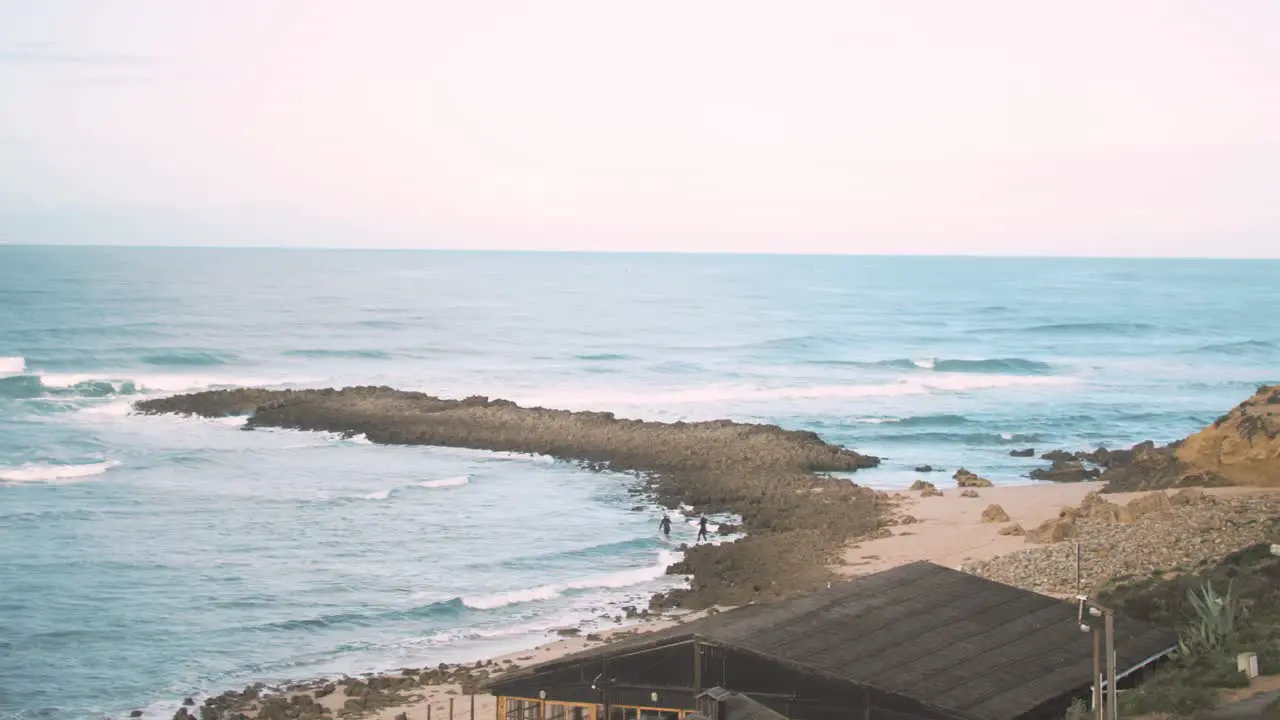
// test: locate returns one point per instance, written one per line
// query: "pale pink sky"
(1016, 127)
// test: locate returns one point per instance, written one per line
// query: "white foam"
(614, 580)
(12, 365)
(165, 383)
(877, 421)
(361, 439)
(935, 384)
(1006, 436)
(925, 363)
(379, 495)
(45, 473)
(457, 481)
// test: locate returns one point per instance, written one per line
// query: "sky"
(1137, 128)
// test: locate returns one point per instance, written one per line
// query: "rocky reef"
(1239, 448)
(795, 519)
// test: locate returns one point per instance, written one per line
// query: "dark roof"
(740, 707)
(955, 641)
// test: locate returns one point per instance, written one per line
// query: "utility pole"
(1109, 709)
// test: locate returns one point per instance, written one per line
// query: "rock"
(1065, 471)
(969, 493)
(353, 705)
(1058, 456)
(326, 690)
(1188, 496)
(182, 714)
(926, 469)
(994, 514)
(1014, 529)
(1028, 452)
(965, 478)
(1108, 513)
(909, 520)
(135, 714)
(930, 492)
(1241, 447)
(922, 485)
(568, 632)
(1149, 504)
(1052, 531)
(189, 702)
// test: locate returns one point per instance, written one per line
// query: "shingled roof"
(951, 640)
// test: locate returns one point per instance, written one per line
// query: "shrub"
(1213, 629)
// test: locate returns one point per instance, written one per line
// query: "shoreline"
(948, 530)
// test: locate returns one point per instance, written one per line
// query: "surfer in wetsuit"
(665, 525)
(702, 528)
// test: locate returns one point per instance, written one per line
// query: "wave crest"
(619, 579)
(12, 365)
(45, 473)
(189, 358)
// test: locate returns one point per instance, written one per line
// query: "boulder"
(909, 520)
(1188, 496)
(1052, 531)
(1027, 452)
(965, 478)
(931, 491)
(1065, 471)
(994, 514)
(970, 493)
(182, 714)
(1058, 456)
(922, 485)
(1156, 503)
(1109, 513)
(926, 468)
(189, 702)
(1014, 529)
(326, 690)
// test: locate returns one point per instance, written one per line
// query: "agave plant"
(1213, 630)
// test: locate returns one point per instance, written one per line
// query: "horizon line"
(695, 253)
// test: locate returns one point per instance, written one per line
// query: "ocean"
(144, 559)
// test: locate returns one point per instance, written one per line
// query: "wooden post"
(472, 714)
(697, 668)
(1097, 675)
(428, 711)
(450, 708)
(1112, 710)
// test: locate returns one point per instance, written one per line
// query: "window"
(521, 709)
(579, 712)
(532, 710)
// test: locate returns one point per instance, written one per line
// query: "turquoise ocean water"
(145, 559)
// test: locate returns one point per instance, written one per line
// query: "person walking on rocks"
(702, 528)
(665, 525)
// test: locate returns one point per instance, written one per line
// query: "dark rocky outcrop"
(1027, 452)
(765, 474)
(1066, 471)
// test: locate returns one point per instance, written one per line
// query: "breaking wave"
(53, 474)
(619, 579)
(457, 481)
(12, 365)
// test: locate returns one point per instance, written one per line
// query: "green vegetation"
(1221, 609)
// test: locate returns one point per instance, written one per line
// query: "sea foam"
(50, 474)
(457, 481)
(614, 580)
(12, 365)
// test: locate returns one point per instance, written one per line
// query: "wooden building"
(918, 642)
